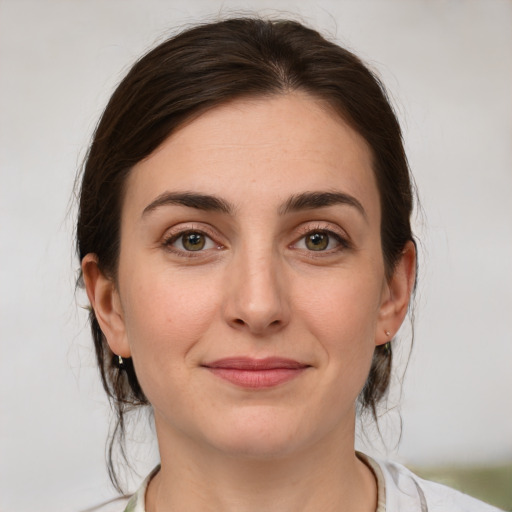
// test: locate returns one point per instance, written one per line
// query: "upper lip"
(248, 363)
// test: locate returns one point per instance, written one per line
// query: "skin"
(258, 290)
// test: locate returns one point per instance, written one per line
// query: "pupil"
(194, 241)
(317, 241)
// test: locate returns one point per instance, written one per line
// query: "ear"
(396, 295)
(106, 303)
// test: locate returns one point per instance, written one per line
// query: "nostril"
(239, 321)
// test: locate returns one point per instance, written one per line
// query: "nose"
(256, 300)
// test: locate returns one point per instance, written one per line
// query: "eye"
(317, 241)
(191, 241)
(320, 240)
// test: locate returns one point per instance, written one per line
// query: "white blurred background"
(448, 67)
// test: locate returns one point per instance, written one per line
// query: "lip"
(256, 373)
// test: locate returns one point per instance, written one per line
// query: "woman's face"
(251, 289)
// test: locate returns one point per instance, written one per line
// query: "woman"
(245, 241)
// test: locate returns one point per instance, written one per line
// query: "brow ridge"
(320, 199)
(205, 202)
(298, 202)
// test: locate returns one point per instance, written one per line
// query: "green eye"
(317, 241)
(190, 241)
(193, 241)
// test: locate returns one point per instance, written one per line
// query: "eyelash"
(172, 238)
(343, 242)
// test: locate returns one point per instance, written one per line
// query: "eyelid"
(328, 228)
(174, 233)
(325, 226)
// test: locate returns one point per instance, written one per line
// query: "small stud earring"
(120, 361)
(387, 333)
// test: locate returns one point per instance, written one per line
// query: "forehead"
(276, 146)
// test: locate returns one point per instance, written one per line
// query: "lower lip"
(257, 379)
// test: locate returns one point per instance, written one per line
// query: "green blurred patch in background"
(492, 484)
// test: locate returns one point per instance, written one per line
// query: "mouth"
(256, 373)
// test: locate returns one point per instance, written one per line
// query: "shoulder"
(405, 490)
(135, 503)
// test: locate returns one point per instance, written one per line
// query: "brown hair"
(197, 70)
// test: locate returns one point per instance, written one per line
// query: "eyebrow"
(212, 203)
(205, 202)
(313, 200)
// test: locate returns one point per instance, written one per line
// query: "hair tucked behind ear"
(199, 69)
(377, 383)
(123, 390)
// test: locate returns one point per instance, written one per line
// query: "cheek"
(340, 313)
(342, 308)
(345, 327)
(166, 315)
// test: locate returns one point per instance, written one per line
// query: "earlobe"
(104, 299)
(397, 295)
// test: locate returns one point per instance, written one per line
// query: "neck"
(326, 476)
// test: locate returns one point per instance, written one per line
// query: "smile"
(256, 373)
